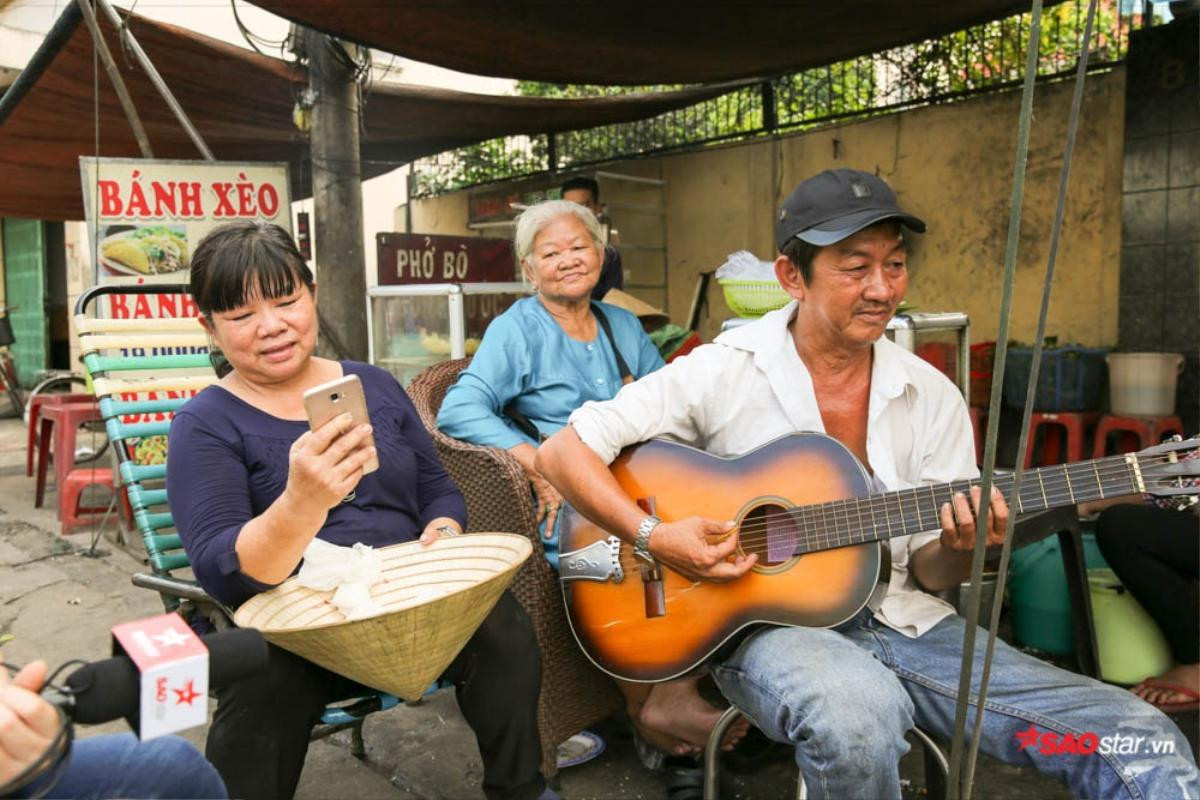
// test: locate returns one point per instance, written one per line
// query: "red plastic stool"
(70, 494)
(1073, 423)
(1147, 430)
(979, 419)
(63, 420)
(35, 407)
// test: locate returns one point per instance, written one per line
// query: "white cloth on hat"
(349, 571)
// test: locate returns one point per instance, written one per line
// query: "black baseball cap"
(828, 207)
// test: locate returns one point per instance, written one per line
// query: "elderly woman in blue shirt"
(548, 354)
(540, 360)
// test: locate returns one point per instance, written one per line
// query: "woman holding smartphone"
(251, 486)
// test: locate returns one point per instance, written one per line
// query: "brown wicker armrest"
(575, 693)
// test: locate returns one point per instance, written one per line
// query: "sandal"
(651, 757)
(685, 778)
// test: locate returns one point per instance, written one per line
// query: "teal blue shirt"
(528, 361)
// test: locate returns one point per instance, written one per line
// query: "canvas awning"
(241, 103)
(635, 42)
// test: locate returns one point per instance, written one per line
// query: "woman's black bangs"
(254, 270)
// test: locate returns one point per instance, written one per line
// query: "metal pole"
(956, 787)
(769, 112)
(114, 75)
(157, 80)
(337, 197)
(410, 188)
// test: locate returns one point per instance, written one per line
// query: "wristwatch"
(641, 542)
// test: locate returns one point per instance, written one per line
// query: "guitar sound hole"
(772, 532)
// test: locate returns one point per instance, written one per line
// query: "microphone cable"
(53, 761)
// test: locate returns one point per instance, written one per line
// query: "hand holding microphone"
(36, 730)
(28, 724)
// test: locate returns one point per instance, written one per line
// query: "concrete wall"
(951, 165)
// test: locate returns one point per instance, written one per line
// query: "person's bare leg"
(673, 716)
(1185, 675)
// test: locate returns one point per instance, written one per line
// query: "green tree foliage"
(982, 57)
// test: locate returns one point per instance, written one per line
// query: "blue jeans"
(845, 698)
(118, 765)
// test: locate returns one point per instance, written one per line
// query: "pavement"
(59, 596)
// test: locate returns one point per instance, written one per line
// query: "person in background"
(541, 359)
(1154, 548)
(586, 192)
(844, 697)
(99, 767)
(252, 486)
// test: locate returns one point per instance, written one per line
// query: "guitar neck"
(857, 520)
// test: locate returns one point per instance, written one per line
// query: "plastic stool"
(68, 416)
(1148, 431)
(1074, 423)
(35, 407)
(70, 494)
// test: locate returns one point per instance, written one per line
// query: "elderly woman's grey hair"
(536, 217)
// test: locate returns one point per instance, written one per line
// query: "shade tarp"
(242, 103)
(637, 42)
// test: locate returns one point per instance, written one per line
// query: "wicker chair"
(575, 694)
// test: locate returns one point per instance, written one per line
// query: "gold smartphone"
(343, 395)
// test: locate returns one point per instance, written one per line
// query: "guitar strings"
(805, 520)
(838, 512)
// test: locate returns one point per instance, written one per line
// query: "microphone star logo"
(170, 638)
(1027, 738)
(186, 695)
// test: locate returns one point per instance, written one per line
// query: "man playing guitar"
(845, 696)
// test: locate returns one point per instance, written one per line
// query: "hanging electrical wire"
(252, 38)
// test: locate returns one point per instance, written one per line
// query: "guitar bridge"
(599, 561)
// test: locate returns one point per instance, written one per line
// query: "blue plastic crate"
(1071, 378)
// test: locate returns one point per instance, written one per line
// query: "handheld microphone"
(110, 689)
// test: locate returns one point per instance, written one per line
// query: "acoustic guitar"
(803, 504)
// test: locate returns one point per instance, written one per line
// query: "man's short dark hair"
(582, 182)
(801, 253)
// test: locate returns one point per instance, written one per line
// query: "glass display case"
(413, 327)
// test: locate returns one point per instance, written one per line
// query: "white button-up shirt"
(750, 387)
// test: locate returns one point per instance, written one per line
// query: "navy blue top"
(229, 462)
(612, 273)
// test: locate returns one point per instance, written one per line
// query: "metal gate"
(25, 287)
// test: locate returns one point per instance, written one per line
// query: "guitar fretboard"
(857, 520)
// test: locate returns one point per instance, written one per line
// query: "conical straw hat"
(652, 318)
(434, 597)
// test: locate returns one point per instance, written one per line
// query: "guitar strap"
(526, 426)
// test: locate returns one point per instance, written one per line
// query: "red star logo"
(1027, 738)
(185, 695)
